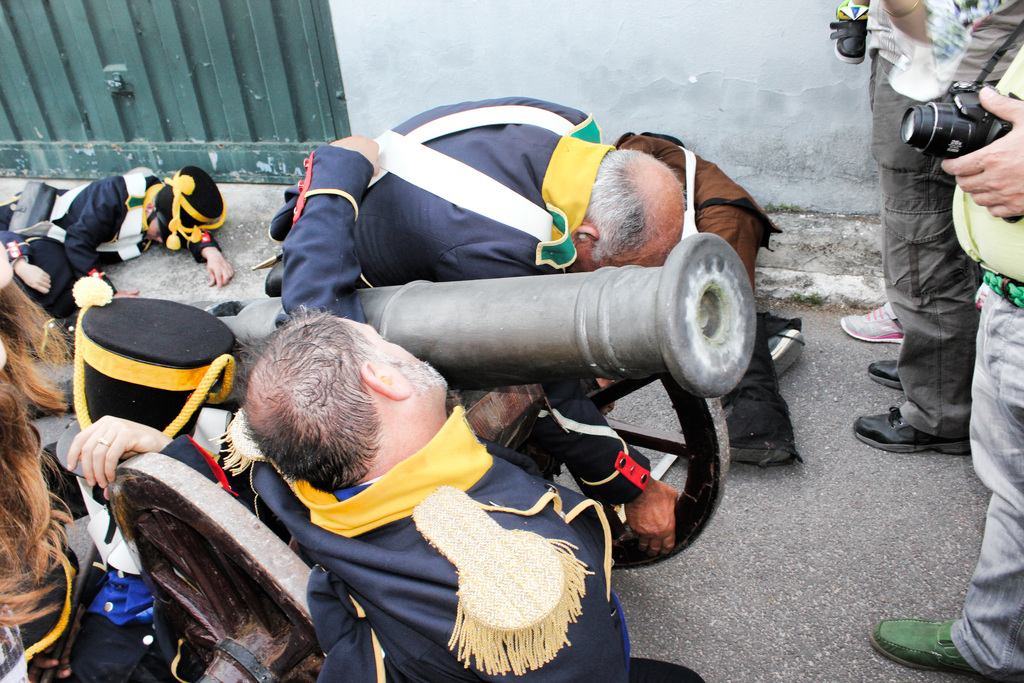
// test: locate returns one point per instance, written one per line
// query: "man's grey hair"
(306, 404)
(618, 204)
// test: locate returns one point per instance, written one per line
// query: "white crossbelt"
(460, 184)
(126, 243)
(689, 216)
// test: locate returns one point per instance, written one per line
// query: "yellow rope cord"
(65, 614)
(199, 395)
(81, 410)
(229, 378)
(46, 334)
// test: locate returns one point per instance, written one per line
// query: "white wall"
(751, 85)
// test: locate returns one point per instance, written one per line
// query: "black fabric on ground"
(759, 424)
(653, 671)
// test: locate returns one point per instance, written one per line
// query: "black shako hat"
(189, 203)
(151, 361)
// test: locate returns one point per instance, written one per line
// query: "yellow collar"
(568, 182)
(453, 457)
(570, 177)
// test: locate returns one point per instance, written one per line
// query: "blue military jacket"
(387, 599)
(94, 218)
(404, 233)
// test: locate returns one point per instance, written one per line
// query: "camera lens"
(937, 128)
(918, 127)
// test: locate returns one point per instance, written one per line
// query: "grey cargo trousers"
(929, 280)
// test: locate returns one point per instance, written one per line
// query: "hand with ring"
(108, 440)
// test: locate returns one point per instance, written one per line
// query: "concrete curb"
(824, 258)
(819, 258)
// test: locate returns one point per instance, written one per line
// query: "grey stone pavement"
(800, 560)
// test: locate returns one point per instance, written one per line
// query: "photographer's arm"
(994, 175)
(909, 16)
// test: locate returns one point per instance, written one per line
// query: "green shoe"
(920, 645)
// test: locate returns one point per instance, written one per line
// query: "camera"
(954, 126)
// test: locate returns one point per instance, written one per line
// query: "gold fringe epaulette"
(518, 591)
(242, 451)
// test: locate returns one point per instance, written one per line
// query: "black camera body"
(954, 126)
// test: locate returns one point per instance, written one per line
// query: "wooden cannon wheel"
(506, 416)
(702, 444)
(233, 590)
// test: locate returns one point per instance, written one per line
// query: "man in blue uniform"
(534, 193)
(112, 220)
(413, 524)
(430, 546)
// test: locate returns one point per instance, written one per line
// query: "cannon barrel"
(693, 317)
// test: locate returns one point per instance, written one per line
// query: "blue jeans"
(989, 635)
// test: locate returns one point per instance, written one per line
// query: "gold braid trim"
(518, 591)
(65, 614)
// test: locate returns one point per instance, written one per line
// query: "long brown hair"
(31, 526)
(33, 342)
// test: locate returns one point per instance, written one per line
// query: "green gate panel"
(243, 88)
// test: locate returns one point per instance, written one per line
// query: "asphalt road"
(801, 560)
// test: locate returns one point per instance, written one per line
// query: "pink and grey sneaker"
(880, 325)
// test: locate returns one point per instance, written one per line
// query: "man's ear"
(385, 380)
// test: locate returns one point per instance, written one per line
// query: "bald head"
(635, 215)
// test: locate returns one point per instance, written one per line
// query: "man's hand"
(218, 269)
(33, 276)
(127, 294)
(103, 443)
(653, 517)
(44, 661)
(994, 174)
(365, 146)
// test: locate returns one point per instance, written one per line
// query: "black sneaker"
(850, 32)
(892, 433)
(886, 373)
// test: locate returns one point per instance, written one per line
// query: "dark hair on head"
(306, 405)
(31, 529)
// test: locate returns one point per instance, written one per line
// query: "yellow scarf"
(568, 182)
(453, 457)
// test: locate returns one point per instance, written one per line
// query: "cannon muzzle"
(693, 318)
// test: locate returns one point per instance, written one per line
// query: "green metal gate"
(243, 88)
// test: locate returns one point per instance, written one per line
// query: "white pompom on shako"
(518, 591)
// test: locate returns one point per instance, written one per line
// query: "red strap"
(95, 273)
(14, 251)
(214, 467)
(632, 471)
(303, 187)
